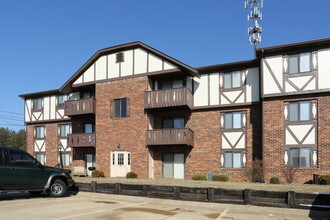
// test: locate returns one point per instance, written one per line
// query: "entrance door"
(120, 163)
(173, 166)
(89, 162)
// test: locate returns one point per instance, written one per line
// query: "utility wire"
(14, 113)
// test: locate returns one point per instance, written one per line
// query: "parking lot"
(84, 205)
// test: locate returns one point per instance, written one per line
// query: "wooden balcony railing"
(168, 98)
(79, 107)
(175, 136)
(81, 140)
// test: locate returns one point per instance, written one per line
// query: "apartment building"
(133, 108)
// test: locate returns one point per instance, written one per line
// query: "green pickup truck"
(19, 171)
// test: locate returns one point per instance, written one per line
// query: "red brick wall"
(273, 143)
(51, 142)
(205, 155)
(129, 132)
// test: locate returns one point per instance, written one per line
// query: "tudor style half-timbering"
(295, 68)
(133, 108)
(295, 79)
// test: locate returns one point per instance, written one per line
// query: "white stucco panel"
(235, 95)
(225, 144)
(113, 67)
(299, 131)
(53, 100)
(201, 91)
(301, 81)
(47, 108)
(155, 64)
(276, 66)
(78, 81)
(27, 112)
(324, 68)
(140, 61)
(168, 66)
(223, 100)
(127, 65)
(89, 74)
(214, 89)
(40, 145)
(101, 68)
(236, 139)
(252, 85)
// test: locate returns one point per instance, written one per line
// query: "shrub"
(97, 173)
(289, 174)
(220, 177)
(274, 180)
(199, 176)
(131, 175)
(255, 171)
(324, 179)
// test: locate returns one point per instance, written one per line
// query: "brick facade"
(122, 134)
(263, 105)
(273, 139)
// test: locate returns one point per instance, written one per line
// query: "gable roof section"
(293, 48)
(134, 45)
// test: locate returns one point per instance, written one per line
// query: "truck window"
(1, 158)
(20, 158)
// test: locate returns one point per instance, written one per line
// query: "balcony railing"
(175, 136)
(81, 140)
(79, 107)
(168, 98)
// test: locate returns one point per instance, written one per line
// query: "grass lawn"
(225, 185)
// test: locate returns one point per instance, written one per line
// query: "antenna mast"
(255, 15)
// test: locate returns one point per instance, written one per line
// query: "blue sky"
(43, 43)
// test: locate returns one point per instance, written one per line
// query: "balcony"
(79, 107)
(175, 136)
(168, 98)
(81, 140)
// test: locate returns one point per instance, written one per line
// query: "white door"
(120, 163)
(89, 162)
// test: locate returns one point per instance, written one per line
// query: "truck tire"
(57, 188)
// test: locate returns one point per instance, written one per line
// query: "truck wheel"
(57, 188)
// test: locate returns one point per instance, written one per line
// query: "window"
(171, 84)
(1, 158)
(175, 122)
(232, 160)
(64, 130)
(20, 158)
(61, 100)
(119, 57)
(232, 80)
(39, 132)
(300, 157)
(120, 159)
(128, 159)
(299, 63)
(89, 128)
(120, 108)
(300, 111)
(233, 120)
(40, 157)
(65, 158)
(37, 104)
(113, 159)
